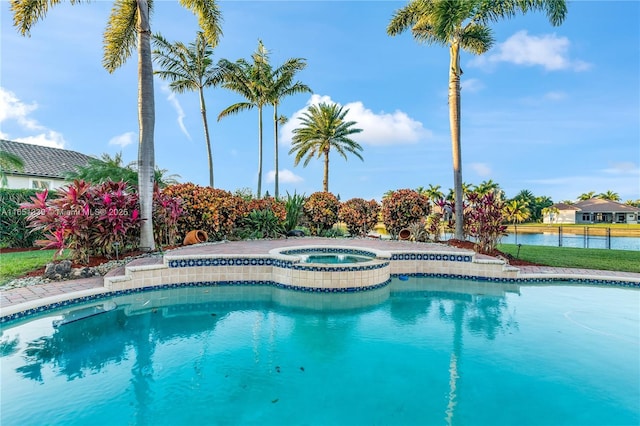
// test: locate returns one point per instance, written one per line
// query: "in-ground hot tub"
(331, 269)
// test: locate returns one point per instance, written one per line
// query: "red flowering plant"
(167, 210)
(359, 215)
(402, 208)
(321, 211)
(86, 220)
(486, 220)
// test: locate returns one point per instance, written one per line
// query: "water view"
(572, 240)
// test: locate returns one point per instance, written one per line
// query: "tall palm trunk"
(454, 122)
(275, 134)
(259, 151)
(146, 118)
(203, 112)
(325, 179)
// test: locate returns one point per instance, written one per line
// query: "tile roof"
(44, 161)
(598, 205)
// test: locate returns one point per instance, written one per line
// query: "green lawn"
(570, 257)
(13, 265)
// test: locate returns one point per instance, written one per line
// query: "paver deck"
(32, 294)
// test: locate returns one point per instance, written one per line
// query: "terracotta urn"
(405, 234)
(194, 237)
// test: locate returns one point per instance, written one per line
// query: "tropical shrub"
(268, 203)
(263, 223)
(321, 211)
(433, 226)
(85, 219)
(486, 220)
(403, 207)
(167, 211)
(294, 210)
(13, 220)
(215, 211)
(359, 215)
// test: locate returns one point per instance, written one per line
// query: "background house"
(595, 210)
(44, 167)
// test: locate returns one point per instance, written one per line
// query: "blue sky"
(554, 110)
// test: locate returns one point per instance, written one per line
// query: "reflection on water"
(573, 240)
(430, 350)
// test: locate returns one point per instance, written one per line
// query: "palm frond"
(119, 38)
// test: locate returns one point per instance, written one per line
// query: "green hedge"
(13, 220)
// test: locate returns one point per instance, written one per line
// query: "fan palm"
(457, 25)
(281, 85)
(190, 68)
(128, 25)
(323, 128)
(9, 161)
(251, 81)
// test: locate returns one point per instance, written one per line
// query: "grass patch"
(571, 257)
(14, 265)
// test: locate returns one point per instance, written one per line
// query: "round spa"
(332, 269)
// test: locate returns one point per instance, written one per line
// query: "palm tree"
(488, 186)
(281, 85)
(463, 25)
(433, 193)
(586, 196)
(609, 195)
(190, 68)
(323, 128)
(107, 168)
(516, 211)
(552, 212)
(252, 82)
(9, 161)
(128, 25)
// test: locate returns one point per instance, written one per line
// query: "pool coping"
(24, 301)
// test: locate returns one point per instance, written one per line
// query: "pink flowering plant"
(88, 220)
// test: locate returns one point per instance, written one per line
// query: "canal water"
(572, 240)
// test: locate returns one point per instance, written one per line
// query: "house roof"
(598, 205)
(43, 161)
(565, 206)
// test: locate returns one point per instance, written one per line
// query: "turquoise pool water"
(333, 259)
(421, 351)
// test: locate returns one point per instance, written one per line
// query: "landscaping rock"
(58, 271)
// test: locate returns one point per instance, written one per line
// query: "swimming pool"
(421, 351)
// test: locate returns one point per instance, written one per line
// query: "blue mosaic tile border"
(614, 283)
(97, 297)
(330, 250)
(300, 267)
(432, 257)
(226, 261)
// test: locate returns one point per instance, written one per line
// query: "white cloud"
(471, 85)
(173, 100)
(377, 128)
(49, 138)
(123, 139)
(13, 109)
(285, 176)
(549, 51)
(623, 168)
(555, 96)
(481, 169)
